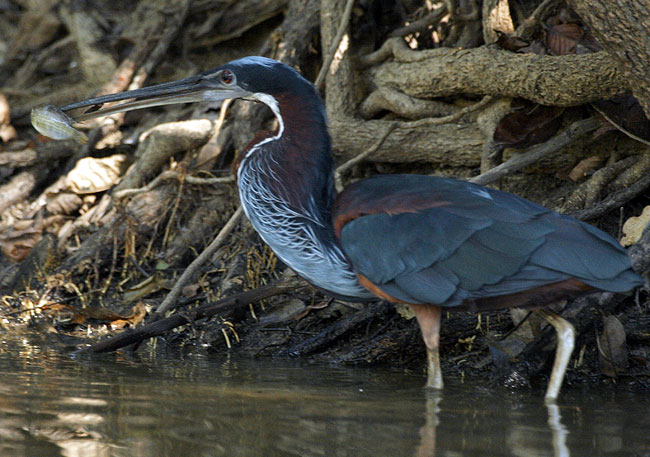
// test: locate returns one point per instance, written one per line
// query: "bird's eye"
(227, 77)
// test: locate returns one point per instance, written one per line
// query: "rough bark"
(548, 80)
(622, 27)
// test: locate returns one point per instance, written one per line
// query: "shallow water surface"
(53, 404)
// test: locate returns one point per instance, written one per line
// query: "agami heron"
(432, 243)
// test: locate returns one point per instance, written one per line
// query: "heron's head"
(256, 78)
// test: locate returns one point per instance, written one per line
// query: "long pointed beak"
(56, 123)
(193, 89)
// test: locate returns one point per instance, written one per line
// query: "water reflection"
(559, 431)
(55, 405)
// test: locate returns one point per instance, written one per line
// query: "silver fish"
(50, 121)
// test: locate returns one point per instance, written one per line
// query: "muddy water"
(199, 405)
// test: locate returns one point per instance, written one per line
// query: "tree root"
(337, 330)
(559, 80)
(568, 136)
(161, 326)
(622, 181)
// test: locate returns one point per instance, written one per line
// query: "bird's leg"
(429, 319)
(565, 342)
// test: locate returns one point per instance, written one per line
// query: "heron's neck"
(296, 158)
(286, 189)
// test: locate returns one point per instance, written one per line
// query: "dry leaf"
(7, 131)
(63, 203)
(625, 113)
(191, 290)
(92, 175)
(563, 39)
(17, 243)
(510, 43)
(584, 167)
(634, 226)
(528, 124)
(17, 248)
(79, 316)
(612, 353)
(137, 315)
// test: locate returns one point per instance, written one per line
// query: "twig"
(177, 201)
(417, 26)
(210, 309)
(527, 27)
(170, 174)
(196, 264)
(619, 126)
(343, 26)
(407, 125)
(614, 201)
(447, 119)
(209, 181)
(355, 160)
(568, 136)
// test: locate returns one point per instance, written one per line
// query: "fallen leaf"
(633, 227)
(138, 313)
(63, 203)
(17, 243)
(510, 43)
(626, 114)
(585, 166)
(91, 175)
(70, 314)
(191, 290)
(529, 124)
(563, 39)
(161, 265)
(612, 350)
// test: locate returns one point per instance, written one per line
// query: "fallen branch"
(568, 136)
(210, 309)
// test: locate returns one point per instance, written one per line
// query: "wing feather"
(426, 239)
